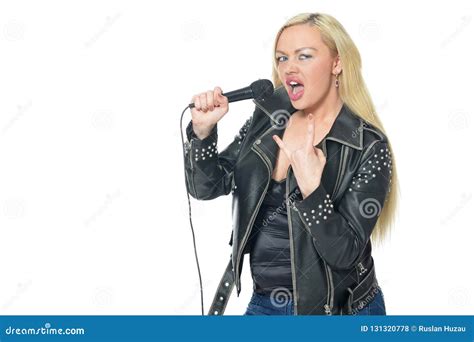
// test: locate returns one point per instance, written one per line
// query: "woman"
(311, 173)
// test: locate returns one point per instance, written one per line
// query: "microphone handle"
(235, 95)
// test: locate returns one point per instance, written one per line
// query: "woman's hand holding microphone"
(209, 108)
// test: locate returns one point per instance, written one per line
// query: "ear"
(337, 65)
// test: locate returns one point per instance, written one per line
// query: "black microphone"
(257, 90)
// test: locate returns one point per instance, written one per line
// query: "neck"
(325, 110)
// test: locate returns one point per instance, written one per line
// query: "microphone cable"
(258, 89)
(189, 207)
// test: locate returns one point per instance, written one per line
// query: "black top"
(269, 242)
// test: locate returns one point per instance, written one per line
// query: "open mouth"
(295, 89)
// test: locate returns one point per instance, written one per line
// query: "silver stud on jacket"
(243, 131)
(205, 152)
(207, 147)
(375, 166)
(325, 209)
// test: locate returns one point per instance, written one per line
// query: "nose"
(291, 67)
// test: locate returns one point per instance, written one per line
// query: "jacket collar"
(346, 129)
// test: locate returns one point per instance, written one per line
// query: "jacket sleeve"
(209, 174)
(341, 233)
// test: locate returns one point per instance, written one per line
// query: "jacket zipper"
(329, 305)
(342, 166)
(191, 180)
(189, 147)
(290, 230)
(362, 268)
(330, 285)
(330, 301)
(330, 282)
(292, 249)
(254, 214)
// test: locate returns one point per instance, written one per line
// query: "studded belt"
(224, 290)
(359, 296)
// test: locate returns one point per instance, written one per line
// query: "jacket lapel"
(346, 129)
(278, 110)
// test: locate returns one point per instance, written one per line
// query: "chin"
(299, 105)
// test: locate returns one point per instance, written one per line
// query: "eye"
(280, 58)
(303, 56)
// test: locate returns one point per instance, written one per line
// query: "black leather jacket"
(332, 267)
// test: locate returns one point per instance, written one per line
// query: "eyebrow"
(298, 50)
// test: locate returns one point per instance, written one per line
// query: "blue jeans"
(261, 304)
(266, 305)
(376, 306)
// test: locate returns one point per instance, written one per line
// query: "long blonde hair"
(353, 93)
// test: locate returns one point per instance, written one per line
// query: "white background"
(93, 208)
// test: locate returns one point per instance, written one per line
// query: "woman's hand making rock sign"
(307, 162)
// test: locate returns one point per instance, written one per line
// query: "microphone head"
(262, 88)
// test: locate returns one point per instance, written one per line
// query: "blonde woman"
(312, 176)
